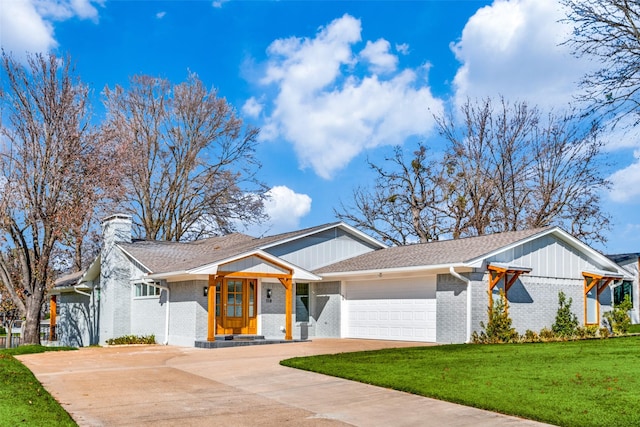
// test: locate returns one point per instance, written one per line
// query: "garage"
(394, 309)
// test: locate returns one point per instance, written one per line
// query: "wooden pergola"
(599, 281)
(508, 273)
(285, 278)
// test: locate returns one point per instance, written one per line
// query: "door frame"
(248, 322)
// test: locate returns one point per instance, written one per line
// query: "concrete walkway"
(242, 386)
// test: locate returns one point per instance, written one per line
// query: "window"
(147, 290)
(620, 291)
(302, 302)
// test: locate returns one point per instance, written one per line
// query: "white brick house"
(327, 281)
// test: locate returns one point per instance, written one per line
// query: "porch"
(241, 340)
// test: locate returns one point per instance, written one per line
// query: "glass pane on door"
(252, 294)
(592, 307)
(234, 298)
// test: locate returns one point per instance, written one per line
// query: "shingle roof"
(70, 279)
(162, 257)
(426, 254)
(618, 258)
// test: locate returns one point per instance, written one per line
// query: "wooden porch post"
(53, 307)
(288, 285)
(211, 309)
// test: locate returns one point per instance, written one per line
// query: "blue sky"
(332, 83)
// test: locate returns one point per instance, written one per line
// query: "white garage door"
(392, 309)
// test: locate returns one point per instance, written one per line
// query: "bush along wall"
(132, 339)
(566, 326)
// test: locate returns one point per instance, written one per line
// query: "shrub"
(132, 339)
(604, 332)
(3, 331)
(587, 331)
(619, 318)
(498, 328)
(566, 321)
(531, 336)
(547, 334)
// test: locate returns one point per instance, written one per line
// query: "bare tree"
(607, 30)
(191, 159)
(487, 160)
(51, 167)
(404, 204)
(506, 168)
(567, 180)
(513, 168)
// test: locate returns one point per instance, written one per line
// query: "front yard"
(23, 400)
(577, 383)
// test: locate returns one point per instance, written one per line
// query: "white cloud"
(285, 208)
(218, 3)
(513, 48)
(377, 54)
(329, 113)
(403, 48)
(161, 15)
(28, 25)
(252, 107)
(626, 182)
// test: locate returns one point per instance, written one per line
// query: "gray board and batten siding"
(321, 249)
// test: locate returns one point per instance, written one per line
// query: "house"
(631, 263)
(326, 281)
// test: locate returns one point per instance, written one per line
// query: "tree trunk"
(31, 328)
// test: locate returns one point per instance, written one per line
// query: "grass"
(577, 383)
(634, 329)
(23, 400)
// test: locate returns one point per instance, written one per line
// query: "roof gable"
(438, 253)
(163, 257)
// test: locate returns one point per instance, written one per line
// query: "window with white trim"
(147, 290)
(302, 302)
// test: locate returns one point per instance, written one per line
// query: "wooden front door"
(236, 308)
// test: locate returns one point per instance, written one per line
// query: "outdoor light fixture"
(268, 293)
(205, 291)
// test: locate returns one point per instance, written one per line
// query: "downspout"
(458, 276)
(166, 320)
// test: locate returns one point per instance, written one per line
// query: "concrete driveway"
(241, 386)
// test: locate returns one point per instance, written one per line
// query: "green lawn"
(578, 383)
(23, 400)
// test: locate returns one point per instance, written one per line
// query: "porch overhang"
(507, 272)
(600, 281)
(221, 267)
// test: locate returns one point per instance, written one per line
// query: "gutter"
(76, 290)
(458, 276)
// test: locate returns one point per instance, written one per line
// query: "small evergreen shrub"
(498, 328)
(3, 331)
(132, 339)
(566, 322)
(604, 332)
(619, 318)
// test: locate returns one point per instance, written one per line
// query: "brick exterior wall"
(187, 315)
(533, 301)
(451, 309)
(115, 272)
(148, 316)
(77, 321)
(325, 309)
(272, 317)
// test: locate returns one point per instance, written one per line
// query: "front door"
(236, 306)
